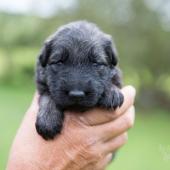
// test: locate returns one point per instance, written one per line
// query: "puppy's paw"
(48, 126)
(112, 99)
(116, 99)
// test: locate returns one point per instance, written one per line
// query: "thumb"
(35, 103)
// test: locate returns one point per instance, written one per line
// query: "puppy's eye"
(95, 64)
(60, 62)
(99, 64)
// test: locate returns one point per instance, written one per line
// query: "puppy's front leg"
(112, 99)
(49, 119)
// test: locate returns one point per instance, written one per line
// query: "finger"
(100, 165)
(34, 105)
(114, 144)
(129, 93)
(104, 163)
(99, 116)
(116, 127)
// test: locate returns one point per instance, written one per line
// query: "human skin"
(86, 142)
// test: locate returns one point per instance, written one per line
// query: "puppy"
(76, 70)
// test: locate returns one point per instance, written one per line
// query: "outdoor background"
(141, 30)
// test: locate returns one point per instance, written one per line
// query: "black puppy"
(76, 70)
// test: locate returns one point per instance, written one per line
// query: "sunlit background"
(141, 30)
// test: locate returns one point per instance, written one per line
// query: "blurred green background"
(141, 30)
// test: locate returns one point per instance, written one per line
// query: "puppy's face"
(79, 65)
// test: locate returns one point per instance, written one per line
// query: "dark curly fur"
(76, 70)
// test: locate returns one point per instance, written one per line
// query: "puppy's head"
(78, 64)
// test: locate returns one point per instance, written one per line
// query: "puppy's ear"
(45, 53)
(111, 52)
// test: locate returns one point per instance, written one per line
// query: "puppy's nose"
(76, 94)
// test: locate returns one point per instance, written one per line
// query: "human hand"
(86, 142)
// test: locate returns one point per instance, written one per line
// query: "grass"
(148, 147)
(13, 104)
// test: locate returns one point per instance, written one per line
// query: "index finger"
(99, 116)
